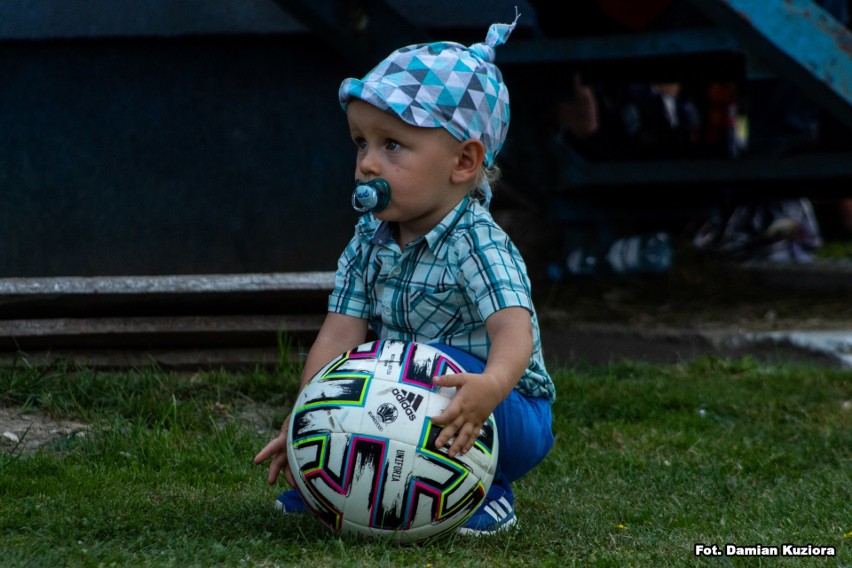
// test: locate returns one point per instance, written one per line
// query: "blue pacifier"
(371, 196)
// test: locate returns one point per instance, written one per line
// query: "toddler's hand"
(277, 450)
(476, 398)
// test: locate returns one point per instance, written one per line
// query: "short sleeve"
(349, 296)
(492, 268)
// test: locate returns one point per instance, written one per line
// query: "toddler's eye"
(360, 143)
(392, 145)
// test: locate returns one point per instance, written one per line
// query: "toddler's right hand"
(277, 450)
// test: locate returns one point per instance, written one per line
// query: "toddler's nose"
(369, 165)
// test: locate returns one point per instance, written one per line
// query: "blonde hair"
(491, 174)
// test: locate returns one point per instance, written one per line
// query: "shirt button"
(387, 310)
(395, 271)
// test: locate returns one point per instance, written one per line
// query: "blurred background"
(194, 137)
(176, 174)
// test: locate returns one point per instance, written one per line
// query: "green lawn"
(649, 461)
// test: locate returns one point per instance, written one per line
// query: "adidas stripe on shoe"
(493, 516)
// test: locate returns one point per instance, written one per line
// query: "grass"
(650, 460)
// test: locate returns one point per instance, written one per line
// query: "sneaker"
(290, 502)
(497, 512)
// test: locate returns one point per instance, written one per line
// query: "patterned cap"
(442, 84)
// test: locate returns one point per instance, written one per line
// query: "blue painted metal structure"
(799, 40)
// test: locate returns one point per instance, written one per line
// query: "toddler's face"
(417, 162)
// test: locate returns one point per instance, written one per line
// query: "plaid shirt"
(441, 288)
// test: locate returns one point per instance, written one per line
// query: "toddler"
(428, 263)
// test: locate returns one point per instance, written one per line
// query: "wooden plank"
(111, 296)
(156, 332)
(174, 320)
(192, 284)
(158, 325)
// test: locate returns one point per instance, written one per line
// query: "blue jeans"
(524, 424)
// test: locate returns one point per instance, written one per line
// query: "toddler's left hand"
(476, 398)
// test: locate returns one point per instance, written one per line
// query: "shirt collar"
(439, 233)
(381, 232)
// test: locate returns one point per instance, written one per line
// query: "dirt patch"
(27, 430)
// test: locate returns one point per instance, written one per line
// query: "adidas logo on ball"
(409, 402)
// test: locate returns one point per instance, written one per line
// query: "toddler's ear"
(470, 155)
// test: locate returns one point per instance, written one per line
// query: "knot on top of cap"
(497, 35)
(482, 51)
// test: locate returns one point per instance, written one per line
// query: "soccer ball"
(362, 446)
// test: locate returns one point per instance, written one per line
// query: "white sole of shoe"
(474, 532)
